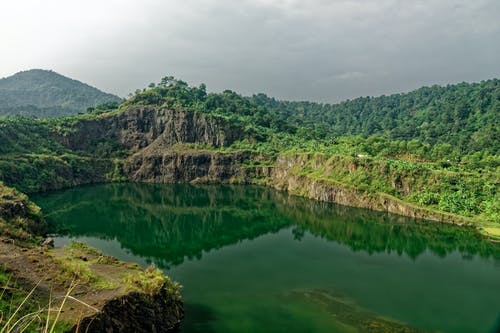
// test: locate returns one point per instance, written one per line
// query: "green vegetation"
(12, 300)
(151, 281)
(33, 157)
(20, 219)
(21, 311)
(74, 264)
(42, 93)
(454, 190)
(452, 124)
(445, 121)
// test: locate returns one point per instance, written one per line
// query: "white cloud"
(350, 75)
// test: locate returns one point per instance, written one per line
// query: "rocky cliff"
(135, 312)
(189, 166)
(127, 145)
(160, 145)
(285, 176)
(153, 127)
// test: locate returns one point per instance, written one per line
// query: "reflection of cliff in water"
(170, 222)
(167, 222)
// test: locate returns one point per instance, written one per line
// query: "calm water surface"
(253, 259)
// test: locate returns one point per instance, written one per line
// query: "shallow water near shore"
(253, 259)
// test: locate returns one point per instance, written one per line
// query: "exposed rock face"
(18, 213)
(283, 178)
(139, 127)
(13, 205)
(135, 312)
(154, 138)
(189, 166)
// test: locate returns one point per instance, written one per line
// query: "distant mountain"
(44, 93)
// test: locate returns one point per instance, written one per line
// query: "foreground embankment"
(75, 288)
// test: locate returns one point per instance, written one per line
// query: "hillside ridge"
(45, 93)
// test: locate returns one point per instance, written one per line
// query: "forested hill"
(43, 93)
(453, 120)
(465, 116)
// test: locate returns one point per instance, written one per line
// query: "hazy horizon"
(317, 50)
(297, 100)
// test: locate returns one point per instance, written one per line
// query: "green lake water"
(253, 259)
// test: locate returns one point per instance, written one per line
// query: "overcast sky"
(321, 50)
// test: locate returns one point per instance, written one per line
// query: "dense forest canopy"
(42, 93)
(448, 121)
(463, 115)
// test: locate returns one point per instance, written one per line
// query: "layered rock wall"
(140, 127)
(282, 177)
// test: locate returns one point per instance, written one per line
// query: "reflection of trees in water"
(170, 222)
(372, 231)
